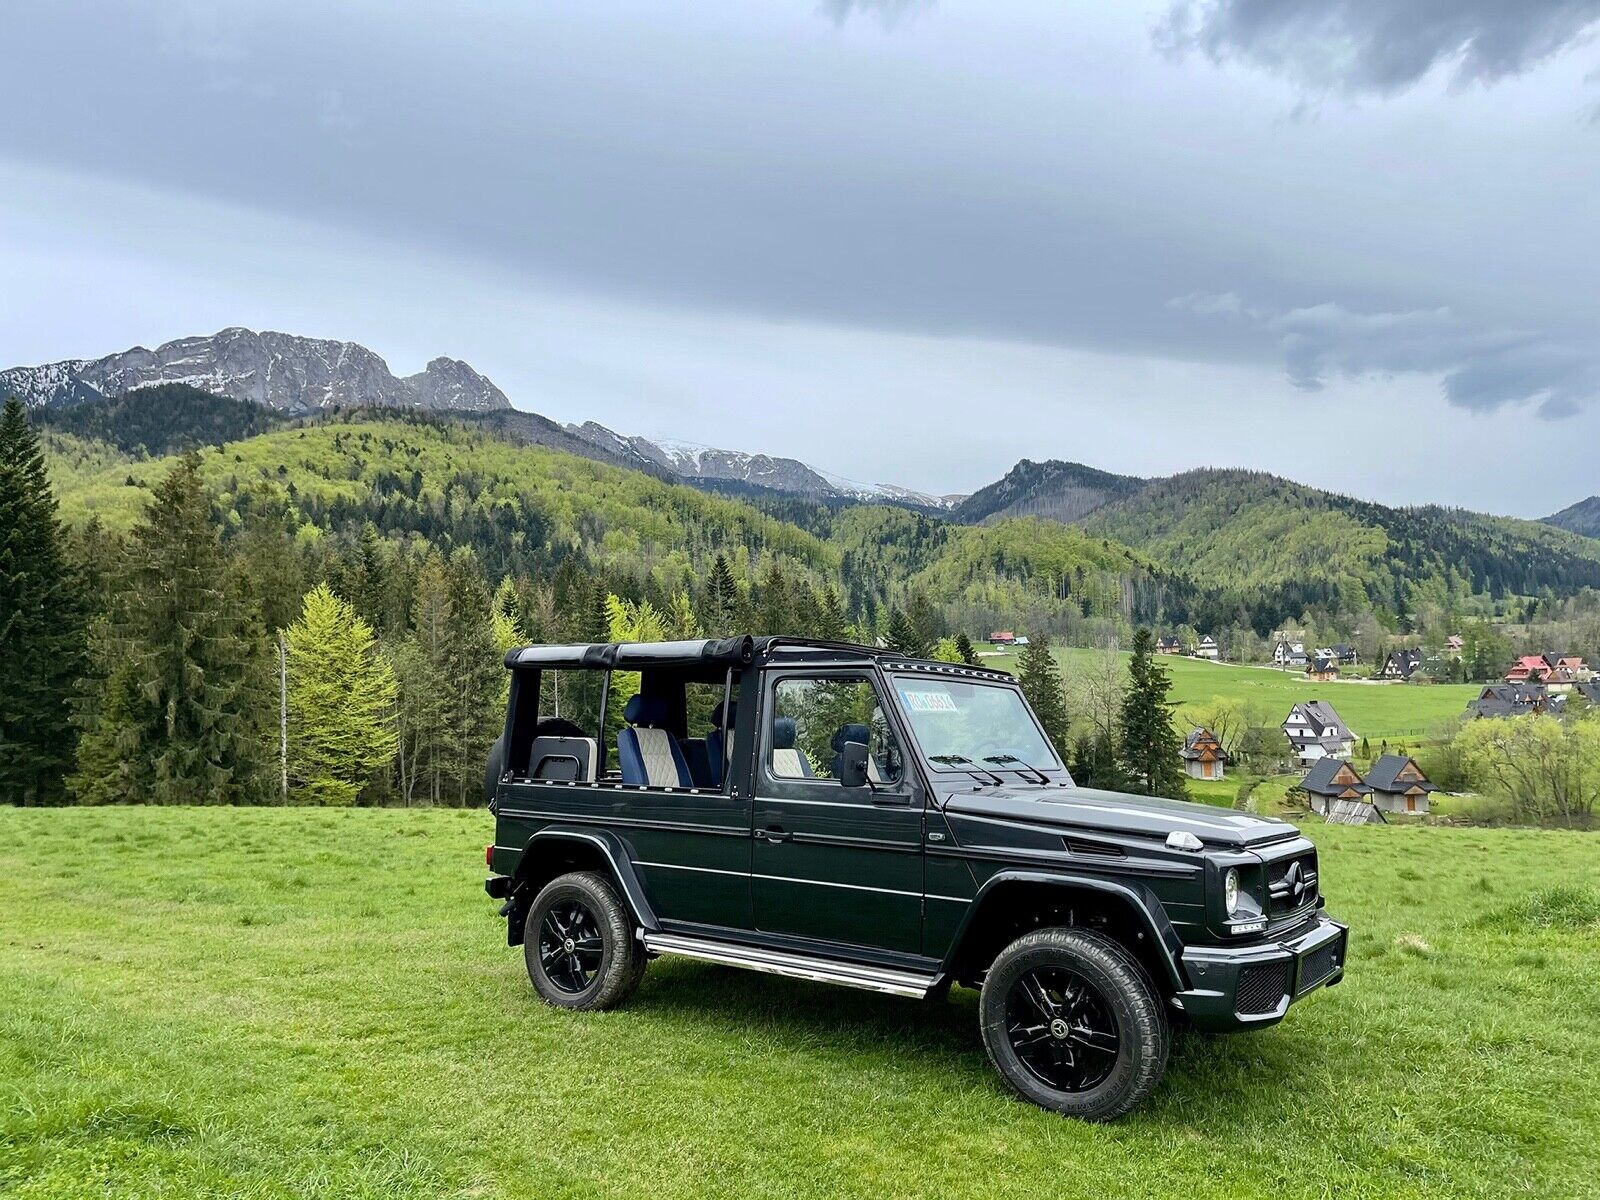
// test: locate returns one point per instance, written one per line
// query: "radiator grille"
(1292, 884)
(1261, 987)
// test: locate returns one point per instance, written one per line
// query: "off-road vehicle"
(845, 814)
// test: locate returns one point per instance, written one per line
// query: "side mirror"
(853, 765)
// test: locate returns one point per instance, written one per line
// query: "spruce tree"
(722, 599)
(1040, 680)
(341, 702)
(833, 624)
(904, 637)
(184, 715)
(1149, 743)
(964, 648)
(42, 623)
(473, 716)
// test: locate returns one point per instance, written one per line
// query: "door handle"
(775, 833)
(892, 799)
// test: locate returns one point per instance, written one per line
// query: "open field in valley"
(1374, 710)
(319, 1003)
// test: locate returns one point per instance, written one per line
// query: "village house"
(1401, 664)
(1289, 654)
(1335, 791)
(1590, 690)
(1322, 668)
(1208, 648)
(1167, 644)
(1453, 645)
(1203, 755)
(1002, 637)
(1344, 653)
(1398, 785)
(1315, 730)
(1558, 672)
(1514, 700)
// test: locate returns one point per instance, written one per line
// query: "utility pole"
(283, 718)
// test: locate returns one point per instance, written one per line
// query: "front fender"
(1143, 905)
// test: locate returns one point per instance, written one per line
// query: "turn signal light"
(488, 856)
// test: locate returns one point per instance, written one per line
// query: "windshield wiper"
(1003, 759)
(974, 770)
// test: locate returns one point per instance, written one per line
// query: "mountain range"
(1226, 529)
(284, 372)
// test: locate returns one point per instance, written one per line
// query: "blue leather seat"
(787, 762)
(717, 746)
(648, 755)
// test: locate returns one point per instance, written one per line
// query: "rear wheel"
(579, 944)
(1071, 1022)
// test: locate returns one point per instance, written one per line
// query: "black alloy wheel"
(581, 944)
(1061, 1029)
(570, 946)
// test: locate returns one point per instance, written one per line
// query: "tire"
(579, 944)
(1072, 1023)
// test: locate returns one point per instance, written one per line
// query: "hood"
(1091, 811)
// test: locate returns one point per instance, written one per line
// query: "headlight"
(1230, 890)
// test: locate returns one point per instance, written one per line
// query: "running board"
(796, 966)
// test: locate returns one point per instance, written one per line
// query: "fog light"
(1230, 890)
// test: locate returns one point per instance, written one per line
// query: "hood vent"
(1094, 849)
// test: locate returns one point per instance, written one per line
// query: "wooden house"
(1002, 637)
(1398, 784)
(1334, 789)
(1168, 644)
(1322, 669)
(1208, 648)
(1203, 755)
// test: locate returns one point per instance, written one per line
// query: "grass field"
(1376, 711)
(320, 1004)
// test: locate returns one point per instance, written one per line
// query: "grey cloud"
(1480, 368)
(889, 12)
(1378, 46)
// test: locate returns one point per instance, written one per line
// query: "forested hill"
(1582, 517)
(525, 510)
(1061, 491)
(1311, 547)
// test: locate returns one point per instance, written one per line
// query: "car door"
(834, 863)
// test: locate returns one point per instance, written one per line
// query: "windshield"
(960, 725)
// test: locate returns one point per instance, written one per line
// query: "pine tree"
(183, 719)
(904, 637)
(773, 612)
(1040, 680)
(423, 671)
(833, 624)
(964, 648)
(1149, 744)
(473, 718)
(42, 623)
(341, 702)
(722, 599)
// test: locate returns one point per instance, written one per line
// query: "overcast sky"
(1350, 241)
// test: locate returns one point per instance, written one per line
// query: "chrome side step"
(796, 966)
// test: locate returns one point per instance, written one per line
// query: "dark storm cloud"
(1480, 368)
(1019, 174)
(1378, 46)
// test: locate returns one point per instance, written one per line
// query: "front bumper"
(1248, 987)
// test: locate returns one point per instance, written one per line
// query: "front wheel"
(579, 944)
(1071, 1022)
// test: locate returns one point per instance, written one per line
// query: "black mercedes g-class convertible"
(844, 814)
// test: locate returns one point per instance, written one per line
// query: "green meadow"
(1376, 711)
(319, 1003)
